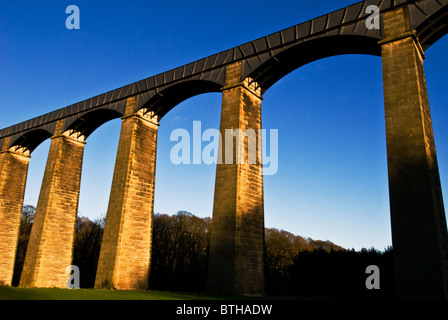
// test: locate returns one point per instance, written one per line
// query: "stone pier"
(237, 236)
(50, 248)
(125, 255)
(419, 231)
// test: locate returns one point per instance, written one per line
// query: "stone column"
(419, 231)
(237, 236)
(126, 247)
(50, 248)
(13, 172)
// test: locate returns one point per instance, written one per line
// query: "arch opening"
(96, 180)
(31, 139)
(331, 185)
(306, 52)
(326, 118)
(87, 123)
(172, 96)
(183, 201)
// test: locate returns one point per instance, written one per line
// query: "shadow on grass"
(14, 293)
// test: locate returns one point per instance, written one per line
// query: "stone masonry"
(125, 255)
(50, 248)
(237, 236)
(419, 231)
(13, 173)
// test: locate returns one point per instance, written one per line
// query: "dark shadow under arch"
(32, 139)
(306, 52)
(170, 97)
(89, 122)
(433, 28)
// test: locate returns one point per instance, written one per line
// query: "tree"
(179, 252)
(280, 249)
(340, 274)
(86, 251)
(294, 266)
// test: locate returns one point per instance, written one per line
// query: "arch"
(31, 139)
(433, 28)
(318, 141)
(294, 57)
(165, 100)
(87, 123)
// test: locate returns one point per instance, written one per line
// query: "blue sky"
(332, 177)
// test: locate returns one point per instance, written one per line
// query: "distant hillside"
(300, 243)
(282, 247)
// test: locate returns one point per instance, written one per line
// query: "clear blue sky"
(332, 177)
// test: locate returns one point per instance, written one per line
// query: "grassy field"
(12, 293)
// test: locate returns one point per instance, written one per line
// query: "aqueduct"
(242, 74)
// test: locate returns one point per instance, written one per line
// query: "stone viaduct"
(242, 74)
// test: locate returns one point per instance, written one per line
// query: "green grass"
(13, 293)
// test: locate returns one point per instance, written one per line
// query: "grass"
(13, 293)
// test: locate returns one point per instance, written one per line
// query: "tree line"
(294, 265)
